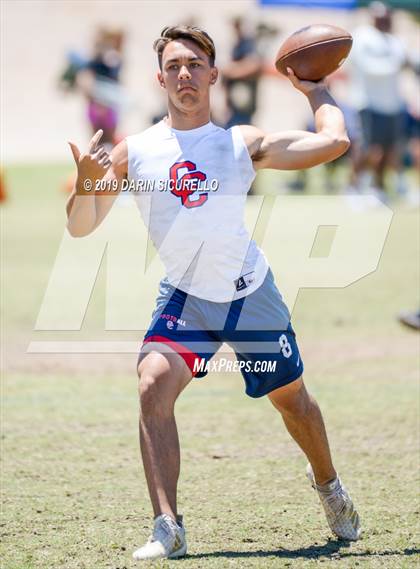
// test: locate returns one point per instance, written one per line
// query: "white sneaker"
(341, 514)
(167, 542)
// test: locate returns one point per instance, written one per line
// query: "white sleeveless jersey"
(191, 188)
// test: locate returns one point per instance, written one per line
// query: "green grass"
(74, 494)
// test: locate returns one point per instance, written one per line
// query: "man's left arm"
(296, 149)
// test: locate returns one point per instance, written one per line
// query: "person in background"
(98, 78)
(241, 77)
(412, 137)
(377, 59)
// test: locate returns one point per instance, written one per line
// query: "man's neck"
(187, 121)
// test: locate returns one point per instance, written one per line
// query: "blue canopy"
(340, 4)
(410, 5)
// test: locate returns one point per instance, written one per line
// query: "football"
(314, 52)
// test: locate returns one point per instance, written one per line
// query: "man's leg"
(379, 170)
(162, 377)
(304, 422)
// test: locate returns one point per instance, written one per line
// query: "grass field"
(73, 491)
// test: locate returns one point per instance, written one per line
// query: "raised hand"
(94, 164)
(305, 87)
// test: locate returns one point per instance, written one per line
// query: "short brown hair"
(192, 33)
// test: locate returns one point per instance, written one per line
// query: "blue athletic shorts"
(257, 327)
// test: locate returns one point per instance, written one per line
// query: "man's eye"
(174, 66)
(195, 65)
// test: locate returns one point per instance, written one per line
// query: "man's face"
(186, 74)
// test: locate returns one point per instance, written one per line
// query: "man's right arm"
(87, 209)
(295, 149)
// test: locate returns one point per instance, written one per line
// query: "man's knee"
(153, 398)
(292, 399)
(162, 377)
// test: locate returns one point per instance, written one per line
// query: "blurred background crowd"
(71, 68)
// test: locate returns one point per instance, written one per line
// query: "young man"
(218, 287)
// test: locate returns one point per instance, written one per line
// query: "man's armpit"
(259, 155)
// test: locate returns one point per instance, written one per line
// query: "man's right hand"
(305, 87)
(91, 166)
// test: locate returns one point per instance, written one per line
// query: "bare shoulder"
(253, 138)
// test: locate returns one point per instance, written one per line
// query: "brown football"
(314, 52)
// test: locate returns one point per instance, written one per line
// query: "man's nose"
(184, 73)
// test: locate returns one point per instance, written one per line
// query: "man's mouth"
(185, 87)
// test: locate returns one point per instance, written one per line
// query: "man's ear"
(214, 73)
(160, 79)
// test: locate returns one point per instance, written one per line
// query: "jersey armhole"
(242, 156)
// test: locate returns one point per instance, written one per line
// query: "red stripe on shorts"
(187, 355)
